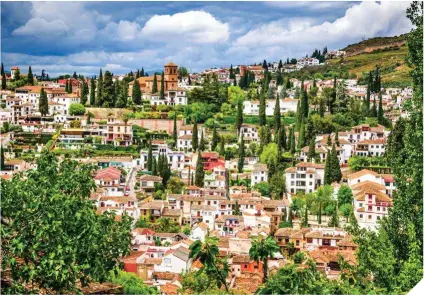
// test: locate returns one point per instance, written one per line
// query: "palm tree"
(261, 249)
(206, 253)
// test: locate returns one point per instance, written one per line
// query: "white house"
(175, 261)
(199, 231)
(259, 174)
(305, 177)
(251, 107)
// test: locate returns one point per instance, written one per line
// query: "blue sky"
(63, 37)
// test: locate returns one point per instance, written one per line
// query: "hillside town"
(273, 160)
(168, 148)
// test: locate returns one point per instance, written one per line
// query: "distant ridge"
(373, 44)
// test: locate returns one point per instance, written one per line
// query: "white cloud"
(367, 19)
(190, 26)
(34, 25)
(71, 19)
(122, 31)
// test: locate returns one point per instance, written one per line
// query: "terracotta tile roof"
(368, 185)
(110, 172)
(310, 165)
(147, 177)
(202, 225)
(241, 258)
(169, 289)
(143, 231)
(151, 261)
(379, 196)
(133, 257)
(284, 232)
(172, 212)
(362, 173)
(118, 199)
(374, 141)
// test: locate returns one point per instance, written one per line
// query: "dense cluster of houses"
(233, 213)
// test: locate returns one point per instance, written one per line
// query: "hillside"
(372, 44)
(387, 52)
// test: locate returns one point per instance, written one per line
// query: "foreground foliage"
(52, 237)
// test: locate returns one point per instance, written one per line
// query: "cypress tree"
(214, 141)
(160, 165)
(336, 171)
(17, 75)
(319, 213)
(305, 221)
(329, 140)
(3, 78)
(136, 93)
(70, 86)
(336, 139)
(277, 114)
(327, 169)
(30, 76)
(43, 104)
(108, 91)
(92, 92)
(1, 158)
(189, 80)
(142, 72)
(305, 104)
(202, 142)
(84, 92)
(292, 142)
(299, 115)
(374, 110)
(200, 173)
(311, 152)
(150, 157)
(155, 84)
(239, 119)
(368, 99)
(289, 216)
(99, 97)
(195, 139)
(380, 113)
(262, 110)
(283, 136)
(222, 146)
(241, 155)
(66, 86)
(155, 167)
(189, 175)
(334, 220)
(162, 86)
(301, 139)
(175, 133)
(137, 74)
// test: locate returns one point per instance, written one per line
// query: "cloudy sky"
(63, 37)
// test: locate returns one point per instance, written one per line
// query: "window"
(360, 205)
(297, 243)
(361, 216)
(369, 216)
(378, 208)
(167, 260)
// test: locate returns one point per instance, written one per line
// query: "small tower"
(171, 76)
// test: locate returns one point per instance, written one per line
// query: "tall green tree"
(92, 92)
(292, 141)
(200, 173)
(195, 138)
(99, 96)
(305, 104)
(108, 91)
(373, 112)
(239, 118)
(222, 146)
(155, 84)
(150, 157)
(70, 90)
(162, 86)
(30, 76)
(48, 204)
(241, 155)
(277, 114)
(202, 142)
(84, 93)
(283, 136)
(262, 249)
(311, 152)
(136, 93)
(214, 142)
(262, 110)
(380, 112)
(301, 140)
(43, 103)
(407, 209)
(175, 132)
(3, 78)
(122, 94)
(207, 253)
